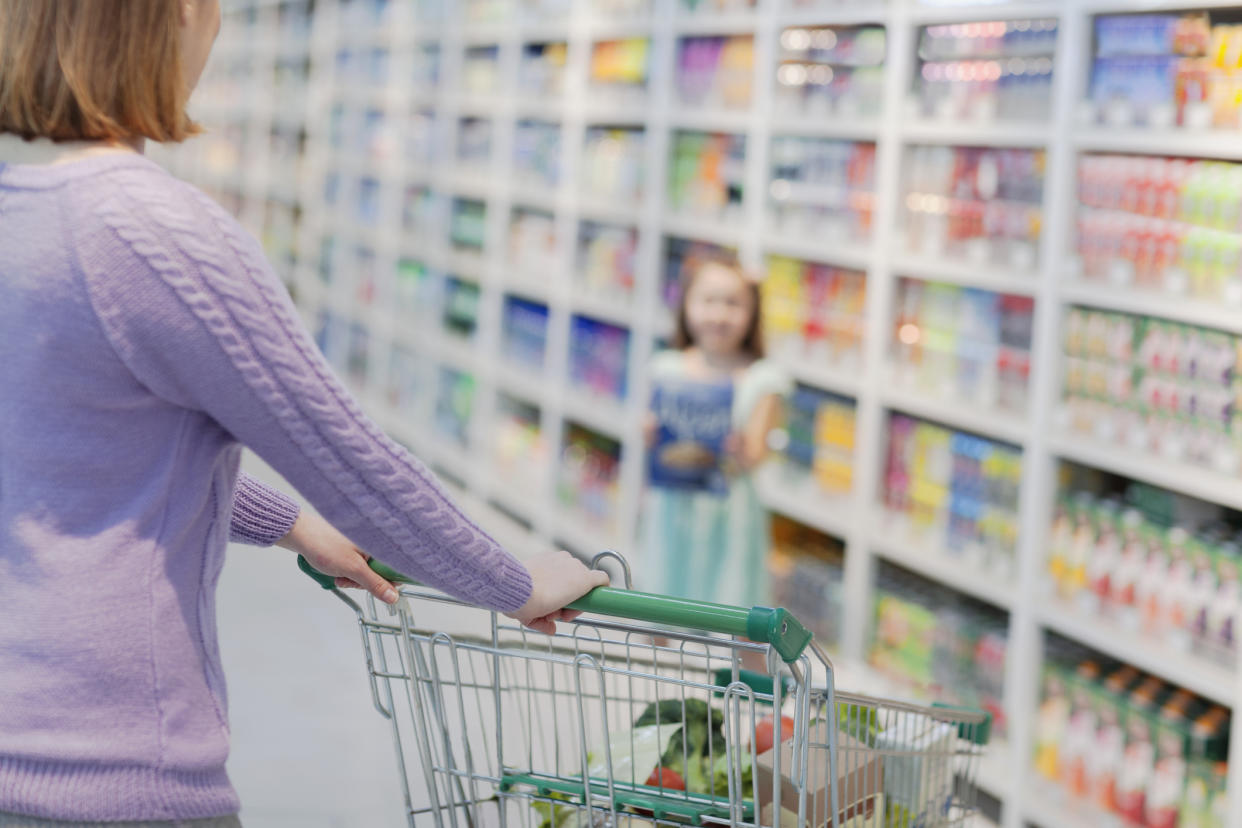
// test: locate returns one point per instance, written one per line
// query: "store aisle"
(309, 750)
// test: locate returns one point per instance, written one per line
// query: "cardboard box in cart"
(859, 783)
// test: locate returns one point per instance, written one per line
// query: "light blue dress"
(702, 546)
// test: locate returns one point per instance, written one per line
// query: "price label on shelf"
(1164, 116)
(1119, 114)
(1233, 294)
(1197, 115)
(978, 251)
(1022, 255)
(1176, 281)
(1225, 461)
(1121, 272)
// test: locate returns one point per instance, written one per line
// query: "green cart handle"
(777, 627)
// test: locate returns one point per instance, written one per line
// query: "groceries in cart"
(893, 780)
(639, 713)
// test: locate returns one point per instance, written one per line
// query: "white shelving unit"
(857, 518)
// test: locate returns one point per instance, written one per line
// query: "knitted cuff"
(261, 515)
(513, 586)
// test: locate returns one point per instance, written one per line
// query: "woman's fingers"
(365, 578)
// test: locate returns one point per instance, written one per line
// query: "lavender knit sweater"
(143, 340)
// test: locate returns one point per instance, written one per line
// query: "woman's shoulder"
(158, 215)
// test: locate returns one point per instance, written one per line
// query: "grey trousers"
(18, 821)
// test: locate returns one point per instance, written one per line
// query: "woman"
(143, 340)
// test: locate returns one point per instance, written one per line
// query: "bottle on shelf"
(714, 72)
(1154, 386)
(963, 344)
(1119, 745)
(813, 313)
(831, 70)
(822, 188)
(997, 70)
(954, 490)
(1160, 565)
(977, 205)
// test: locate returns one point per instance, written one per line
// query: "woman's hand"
(557, 579)
(332, 553)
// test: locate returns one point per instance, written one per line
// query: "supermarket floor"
(309, 750)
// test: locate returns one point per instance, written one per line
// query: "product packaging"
(694, 420)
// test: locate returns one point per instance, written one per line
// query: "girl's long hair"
(752, 342)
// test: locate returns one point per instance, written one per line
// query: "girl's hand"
(332, 553)
(650, 426)
(557, 579)
(733, 460)
(739, 457)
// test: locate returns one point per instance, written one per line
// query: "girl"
(700, 545)
(143, 340)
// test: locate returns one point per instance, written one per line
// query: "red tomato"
(765, 736)
(666, 778)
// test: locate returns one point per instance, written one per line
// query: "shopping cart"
(640, 712)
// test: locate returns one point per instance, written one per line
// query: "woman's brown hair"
(92, 70)
(752, 342)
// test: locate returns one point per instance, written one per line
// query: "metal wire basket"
(641, 712)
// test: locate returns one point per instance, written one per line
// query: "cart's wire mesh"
(497, 725)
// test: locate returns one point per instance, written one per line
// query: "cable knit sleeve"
(189, 302)
(261, 515)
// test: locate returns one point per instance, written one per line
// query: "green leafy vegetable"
(554, 816)
(697, 750)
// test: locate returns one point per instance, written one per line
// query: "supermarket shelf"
(717, 231)
(549, 109)
(475, 33)
(838, 14)
(967, 12)
(529, 195)
(859, 677)
(842, 254)
(615, 311)
(1161, 305)
(601, 209)
(826, 378)
(995, 770)
(804, 501)
(965, 274)
(586, 538)
(826, 126)
(467, 183)
(595, 411)
(522, 382)
(1195, 481)
(1222, 144)
(710, 120)
(367, 94)
(1134, 6)
(521, 498)
(461, 354)
(528, 286)
(982, 134)
(716, 24)
(552, 30)
(614, 113)
(1048, 806)
(603, 27)
(1219, 684)
(934, 562)
(464, 262)
(436, 450)
(973, 418)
